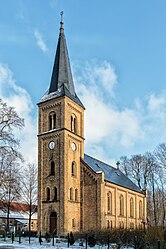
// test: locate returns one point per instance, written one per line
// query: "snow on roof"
(17, 210)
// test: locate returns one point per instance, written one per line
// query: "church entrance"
(53, 223)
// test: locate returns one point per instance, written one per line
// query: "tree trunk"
(154, 202)
(8, 211)
(30, 214)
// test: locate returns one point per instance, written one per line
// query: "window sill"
(50, 201)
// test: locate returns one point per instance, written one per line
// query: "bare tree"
(9, 120)
(148, 172)
(29, 190)
(125, 165)
(160, 155)
(10, 186)
(9, 156)
(137, 168)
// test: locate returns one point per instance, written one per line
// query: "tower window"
(48, 194)
(73, 169)
(121, 205)
(55, 194)
(71, 194)
(52, 120)
(73, 123)
(52, 168)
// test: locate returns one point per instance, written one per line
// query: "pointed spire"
(61, 75)
(61, 80)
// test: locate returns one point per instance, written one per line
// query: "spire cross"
(61, 13)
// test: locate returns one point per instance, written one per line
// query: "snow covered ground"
(44, 245)
(34, 244)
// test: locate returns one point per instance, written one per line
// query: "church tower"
(60, 147)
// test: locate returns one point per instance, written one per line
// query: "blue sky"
(118, 54)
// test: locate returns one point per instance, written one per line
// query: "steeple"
(61, 81)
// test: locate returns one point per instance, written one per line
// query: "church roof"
(61, 81)
(111, 174)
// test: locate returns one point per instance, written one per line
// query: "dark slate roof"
(111, 174)
(61, 80)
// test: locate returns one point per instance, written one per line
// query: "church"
(77, 192)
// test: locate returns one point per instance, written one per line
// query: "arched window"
(131, 207)
(140, 209)
(52, 168)
(76, 194)
(48, 194)
(55, 194)
(71, 194)
(73, 123)
(73, 222)
(52, 120)
(108, 224)
(109, 202)
(73, 169)
(121, 205)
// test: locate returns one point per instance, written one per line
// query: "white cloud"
(157, 103)
(105, 75)
(103, 121)
(40, 42)
(109, 129)
(19, 98)
(100, 78)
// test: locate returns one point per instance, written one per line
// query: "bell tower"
(60, 147)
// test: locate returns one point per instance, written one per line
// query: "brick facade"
(87, 211)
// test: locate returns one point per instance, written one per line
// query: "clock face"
(51, 145)
(73, 146)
